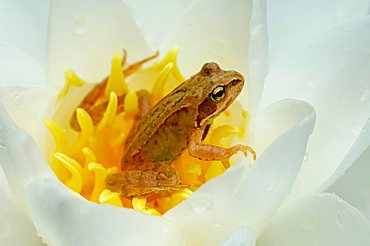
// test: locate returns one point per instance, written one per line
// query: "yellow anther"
(131, 104)
(221, 132)
(194, 169)
(185, 193)
(244, 125)
(138, 203)
(71, 79)
(59, 134)
(85, 122)
(151, 211)
(110, 112)
(89, 155)
(159, 85)
(116, 81)
(121, 138)
(99, 185)
(112, 198)
(75, 181)
(215, 169)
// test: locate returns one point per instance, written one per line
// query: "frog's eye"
(217, 94)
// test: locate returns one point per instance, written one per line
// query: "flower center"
(83, 159)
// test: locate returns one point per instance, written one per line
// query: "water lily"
(302, 190)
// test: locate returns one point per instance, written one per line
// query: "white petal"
(19, 156)
(84, 35)
(62, 217)
(354, 185)
(224, 33)
(28, 107)
(23, 25)
(291, 23)
(219, 34)
(15, 228)
(155, 18)
(241, 237)
(316, 220)
(262, 189)
(332, 73)
(228, 202)
(197, 213)
(17, 68)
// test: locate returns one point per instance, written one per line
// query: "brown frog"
(178, 122)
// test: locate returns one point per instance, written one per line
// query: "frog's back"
(163, 133)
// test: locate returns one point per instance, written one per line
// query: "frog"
(178, 122)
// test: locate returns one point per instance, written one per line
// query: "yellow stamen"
(116, 81)
(221, 132)
(171, 57)
(119, 140)
(138, 203)
(214, 170)
(71, 79)
(75, 182)
(59, 134)
(110, 112)
(159, 85)
(99, 185)
(131, 104)
(112, 198)
(89, 155)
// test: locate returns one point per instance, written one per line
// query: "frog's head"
(220, 88)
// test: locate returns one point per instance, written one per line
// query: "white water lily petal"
(263, 188)
(19, 157)
(216, 40)
(62, 217)
(291, 23)
(332, 73)
(316, 220)
(197, 213)
(15, 228)
(155, 18)
(241, 237)
(219, 203)
(23, 25)
(223, 37)
(354, 185)
(28, 107)
(17, 68)
(85, 34)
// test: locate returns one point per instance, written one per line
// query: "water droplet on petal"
(356, 131)
(79, 25)
(306, 156)
(339, 218)
(200, 205)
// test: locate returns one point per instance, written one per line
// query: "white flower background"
(308, 65)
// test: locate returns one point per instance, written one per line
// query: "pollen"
(83, 159)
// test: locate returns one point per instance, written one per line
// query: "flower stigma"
(90, 146)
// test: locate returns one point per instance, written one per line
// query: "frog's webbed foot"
(145, 182)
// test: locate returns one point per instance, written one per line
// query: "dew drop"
(200, 205)
(16, 96)
(309, 222)
(365, 96)
(306, 156)
(2, 145)
(79, 25)
(339, 218)
(356, 131)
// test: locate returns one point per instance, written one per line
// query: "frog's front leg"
(212, 153)
(151, 178)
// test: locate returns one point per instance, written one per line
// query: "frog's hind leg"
(154, 178)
